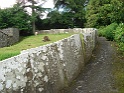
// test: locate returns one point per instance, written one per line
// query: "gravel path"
(97, 75)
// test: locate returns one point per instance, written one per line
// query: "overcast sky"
(9, 3)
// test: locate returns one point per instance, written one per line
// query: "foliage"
(109, 31)
(15, 17)
(72, 16)
(5, 18)
(74, 7)
(121, 47)
(119, 34)
(60, 20)
(92, 13)
(36, 8)
(29, 42)
(114, 32)
(102, 13)
(21, 19)
(101, 31)
(56, 20)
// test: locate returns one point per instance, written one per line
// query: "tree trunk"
(33, 27)
(33, 16)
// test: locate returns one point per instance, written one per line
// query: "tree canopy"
(66, 14)
(36, 7)
(104, 12)
(14, 17)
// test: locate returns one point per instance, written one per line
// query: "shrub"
(101, 32)
(114, 32)
(119, 34)
(121, 46)
(110, 31)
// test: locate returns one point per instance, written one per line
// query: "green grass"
(29, 42)
(119, 75)
(118, 71)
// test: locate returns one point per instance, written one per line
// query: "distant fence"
(9, 36)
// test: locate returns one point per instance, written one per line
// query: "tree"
(21, 19)
(92, 13)
(117, 13)
(35, 6)
(56, 20)
(104, 12)
(76, 8)
(5, 18)
(15, 17)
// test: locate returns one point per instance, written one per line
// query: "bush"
(114, 32)
(121, 47)
(108, 31)
(101, 31)
(119, 34)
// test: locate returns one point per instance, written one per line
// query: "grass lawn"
(29, 42)
(118, 71)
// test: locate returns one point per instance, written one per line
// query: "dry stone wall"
(8, 36)
(90, 40)
(4, 39)
(48, 68)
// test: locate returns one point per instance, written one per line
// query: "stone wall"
(48, 68)
(56, 31)
(8, 36)
(90, 40)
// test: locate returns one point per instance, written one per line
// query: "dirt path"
(97, 76)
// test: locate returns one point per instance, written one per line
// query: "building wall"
(48, 68)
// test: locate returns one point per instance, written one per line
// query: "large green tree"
(14, 17)
(104, 12)
(60, 19)
(36, 9)
(55, 20)
(74, 7)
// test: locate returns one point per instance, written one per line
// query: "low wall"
(48, 68)
(90, 40)
(8, 36)
(56, 31)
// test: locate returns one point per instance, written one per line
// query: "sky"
(6, 3)
(9, 3)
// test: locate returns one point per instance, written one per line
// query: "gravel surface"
(97, 75)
